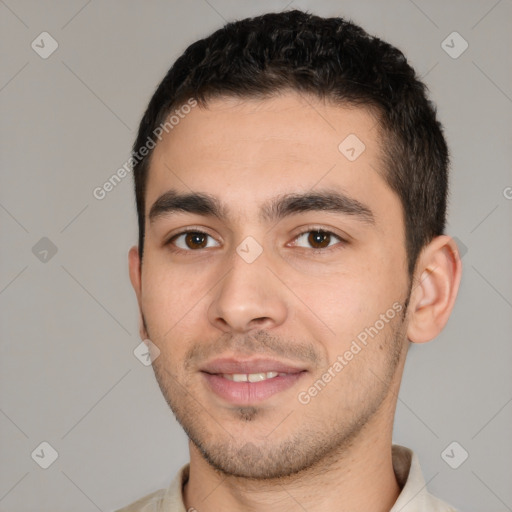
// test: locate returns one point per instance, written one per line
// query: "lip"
(248, 393)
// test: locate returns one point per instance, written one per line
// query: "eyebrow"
(273, 210)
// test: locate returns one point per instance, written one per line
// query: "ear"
(134, 265)
(435, 286)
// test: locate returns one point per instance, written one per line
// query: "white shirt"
(414, 496)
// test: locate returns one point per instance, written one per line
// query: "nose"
(249, 297)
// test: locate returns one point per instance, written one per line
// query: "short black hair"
(333, 59)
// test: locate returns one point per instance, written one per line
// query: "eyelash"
(310, 229)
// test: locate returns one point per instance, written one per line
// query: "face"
(275, 291)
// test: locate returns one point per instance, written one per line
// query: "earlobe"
(435, 288)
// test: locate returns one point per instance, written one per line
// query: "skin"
(293, 303)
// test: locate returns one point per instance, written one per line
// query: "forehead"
(246, 150)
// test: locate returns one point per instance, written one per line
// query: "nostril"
(259, 322)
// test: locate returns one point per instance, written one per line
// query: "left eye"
(317, 238)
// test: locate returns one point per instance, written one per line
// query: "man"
(291, 182)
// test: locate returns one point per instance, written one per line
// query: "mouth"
(247, 382)
(251, 377)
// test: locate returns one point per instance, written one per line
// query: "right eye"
(190, 240)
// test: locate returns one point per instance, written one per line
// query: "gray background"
(68, 375)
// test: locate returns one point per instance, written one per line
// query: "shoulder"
(437, 505)
(170, 499)
(149, 503)
(414, 495)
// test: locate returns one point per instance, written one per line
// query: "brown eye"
(317, 239)
(191, 240)
(195, 240)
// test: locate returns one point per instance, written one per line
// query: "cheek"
(332, 309)
(170, 297)
(351, 302)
